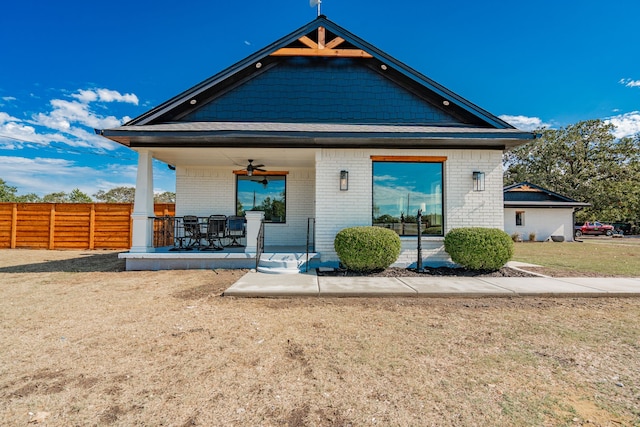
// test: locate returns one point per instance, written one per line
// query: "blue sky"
(67, 67)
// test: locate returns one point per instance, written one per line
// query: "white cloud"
(627, 124)
(69, 122)
(105, 95)
(65, 113)
(9, 98)
(5, 118)
(48, 175)
(524, 122)
(630, 82)
(85, 96)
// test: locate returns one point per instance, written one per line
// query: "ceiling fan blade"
(258, 166)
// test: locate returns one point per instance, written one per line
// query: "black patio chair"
(192, 232)
(216, 228)
(235, 230)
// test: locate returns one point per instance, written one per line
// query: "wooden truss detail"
(321, 48)
(526, 188)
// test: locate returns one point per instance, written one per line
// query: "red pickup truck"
(595, 228)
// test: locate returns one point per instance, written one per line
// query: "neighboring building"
(345, 135)
(533, 210)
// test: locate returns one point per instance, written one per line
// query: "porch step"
(282, 263)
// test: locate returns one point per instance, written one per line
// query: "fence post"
(14, 225)
(419, 221)
(92, 226)
(130, 225)
(52, 225)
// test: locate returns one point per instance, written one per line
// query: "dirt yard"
(84, 343)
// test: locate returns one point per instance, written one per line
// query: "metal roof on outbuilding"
(526, 194)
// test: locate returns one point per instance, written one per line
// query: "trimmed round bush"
(479, 248)
(367, 248)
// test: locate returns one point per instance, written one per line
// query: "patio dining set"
(212, 233)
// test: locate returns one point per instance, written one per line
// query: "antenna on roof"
(313, 3)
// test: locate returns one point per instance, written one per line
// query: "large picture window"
(265, 193)
(400, 188)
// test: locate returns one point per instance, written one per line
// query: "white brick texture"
(316, 193)
(208, 191)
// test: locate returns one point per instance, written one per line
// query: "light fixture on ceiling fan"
(251, 167)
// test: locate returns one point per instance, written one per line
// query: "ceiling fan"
(251, 167)
(262, 181)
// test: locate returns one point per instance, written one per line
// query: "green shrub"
(479, 248)
(367, 248)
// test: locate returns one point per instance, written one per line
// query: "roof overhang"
(515, 204)
(314, 135)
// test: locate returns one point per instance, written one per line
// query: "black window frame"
(405, 228)
(256, 177)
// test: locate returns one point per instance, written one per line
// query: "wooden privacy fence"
(69, 225)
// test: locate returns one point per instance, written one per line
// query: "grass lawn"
(598, 255)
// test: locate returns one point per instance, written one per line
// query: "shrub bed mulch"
(427, 271)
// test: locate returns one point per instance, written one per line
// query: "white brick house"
(533, 212)
(317, 103)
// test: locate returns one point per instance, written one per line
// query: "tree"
(60, 197)
(28, 198)
(7, 192)
(77, 196)
(586, 162)
(166, 197)
(116, 195)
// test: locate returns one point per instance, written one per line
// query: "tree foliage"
(116, 195)
(165, 197)
(76, 196)
(586, 162)
(7, 192)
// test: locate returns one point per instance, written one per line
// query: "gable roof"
(526, 194)
(383, 92)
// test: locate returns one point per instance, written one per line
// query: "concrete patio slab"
(255, 284)
(363, 286)
(454, 286)
(542, 286)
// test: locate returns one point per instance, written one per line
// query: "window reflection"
(400, 189)
(262, 193)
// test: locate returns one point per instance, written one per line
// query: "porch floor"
(230, 257)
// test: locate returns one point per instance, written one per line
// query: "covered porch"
(209, 183)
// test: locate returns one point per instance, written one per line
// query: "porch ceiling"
(272, 158)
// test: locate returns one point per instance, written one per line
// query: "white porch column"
(254, 219)
(142, 239)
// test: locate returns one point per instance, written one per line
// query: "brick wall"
(462, 206)
(207, 191)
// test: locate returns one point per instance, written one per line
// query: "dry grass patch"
(163, 348)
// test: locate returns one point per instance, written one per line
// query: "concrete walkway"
(310, 285)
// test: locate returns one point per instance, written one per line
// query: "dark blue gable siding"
(320, 90)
